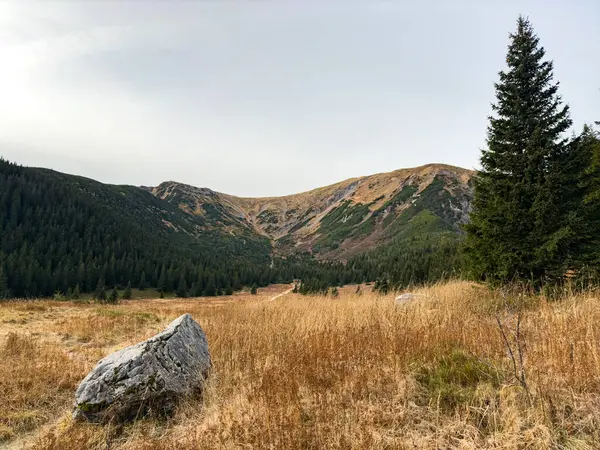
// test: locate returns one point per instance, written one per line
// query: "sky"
(273, 97)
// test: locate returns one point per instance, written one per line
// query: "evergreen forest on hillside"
(65, 233)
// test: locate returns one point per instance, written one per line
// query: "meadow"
(460, 367)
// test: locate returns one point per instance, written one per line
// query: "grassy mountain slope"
(341, 220)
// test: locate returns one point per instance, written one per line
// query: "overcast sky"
(269, 98)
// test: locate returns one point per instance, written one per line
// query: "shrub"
(454, 378)
(114, 296)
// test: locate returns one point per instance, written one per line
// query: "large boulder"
(148, 377)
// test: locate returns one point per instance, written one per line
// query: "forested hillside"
(62, 233)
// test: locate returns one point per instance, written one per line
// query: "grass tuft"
(454, 379)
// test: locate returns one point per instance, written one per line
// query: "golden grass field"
(355, 372)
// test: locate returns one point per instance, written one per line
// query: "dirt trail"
(281, 294)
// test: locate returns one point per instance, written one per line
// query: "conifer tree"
(127, 295)
(114, 296)
(383, 286)
(142, 285)
(210, 290)
(518, 222)
(162, 280)
(236, 284)
(182, 287)
(101, 290)
(254, 289)
(76, 293)
(81, 273)
(590, 140)
(585, 252)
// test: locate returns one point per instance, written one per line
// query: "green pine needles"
(528, 212)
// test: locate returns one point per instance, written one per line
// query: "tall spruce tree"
(518, 226)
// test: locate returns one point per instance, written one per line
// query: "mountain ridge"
(470, 172)
(361, 208)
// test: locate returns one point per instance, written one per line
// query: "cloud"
(59, 108)
(54, 102)
(255, 98)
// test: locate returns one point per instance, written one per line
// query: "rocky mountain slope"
(341, 220)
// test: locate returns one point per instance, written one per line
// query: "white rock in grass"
(148, 377)
(408, 297)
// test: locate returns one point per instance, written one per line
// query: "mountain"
(338, 221)
(65, 233)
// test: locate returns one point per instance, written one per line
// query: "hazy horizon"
(269, 99)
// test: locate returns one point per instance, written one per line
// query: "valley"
(66, 235)
(430, 307)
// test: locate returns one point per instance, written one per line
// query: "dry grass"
(310, 373)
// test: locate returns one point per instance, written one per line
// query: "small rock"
(148, 377)
(408, 296)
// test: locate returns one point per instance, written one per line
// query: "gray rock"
(149, 377)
